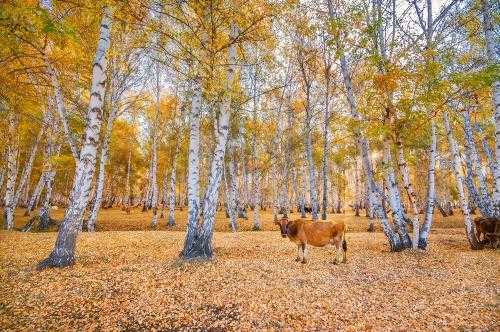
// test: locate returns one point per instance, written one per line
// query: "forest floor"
(133, 280)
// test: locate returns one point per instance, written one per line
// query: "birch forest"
(162, 162)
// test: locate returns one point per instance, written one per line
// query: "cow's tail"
(344, 242)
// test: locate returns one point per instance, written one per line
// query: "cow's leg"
(338, 251)
(299, 253)
(304, 253)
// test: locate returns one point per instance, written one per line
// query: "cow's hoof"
(298, 259)
(304, 261)
(335, 263)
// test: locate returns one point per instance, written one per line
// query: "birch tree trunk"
(63, 253)
(484, 202)
(310, 163)
(492, 163)
(326, 142)
(395, 202)
(255, 175)
(412, 197)
(193, 178)
(163, 195)
(61, 109)
(102, 165)
(154, 148)
(171, 194)
(487, 7)
(431, 192)
(28, 165)
(357, 190)
(469, 225)
(44, 211)
(200, 245)
(11, 165)
(302, 195)
(374, 195)
(36, 193)
(232, 204)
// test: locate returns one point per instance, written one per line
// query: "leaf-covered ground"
(133, 281)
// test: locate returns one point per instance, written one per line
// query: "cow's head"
(283, 224)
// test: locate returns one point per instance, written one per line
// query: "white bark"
(200, 245)
(492, 163)
(232, 204)
(154, 148)
(255, 172)
(193, 178)
(11, 165)
(395, 201)
(412, 197)
(484, 202)
(431, 191)
(28, 165)
(36, 193)
(64, 249)
(58, 97)
(102, 167)
(493, 59)
(469, 225)
(171, 194)
(374, 196)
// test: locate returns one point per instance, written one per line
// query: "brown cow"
(490, 229)
(315, 233)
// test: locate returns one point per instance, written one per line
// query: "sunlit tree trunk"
(469, 225)
(431, 191)
(64, 248)
(374, 193)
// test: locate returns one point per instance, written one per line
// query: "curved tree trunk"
(64, 248)
(493, 59)
(474, 169)
(469, 225)
(200, 245)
